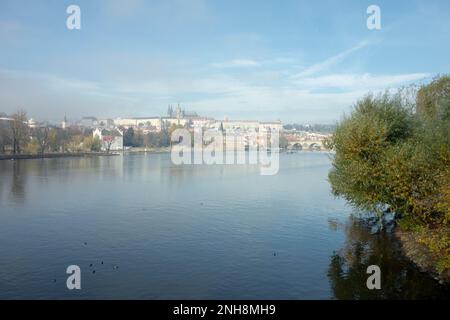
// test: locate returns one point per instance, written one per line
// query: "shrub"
(390, 158)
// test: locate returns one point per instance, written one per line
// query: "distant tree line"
(17, 137)
(393, 155)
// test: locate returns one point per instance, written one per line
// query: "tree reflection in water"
(400, 278)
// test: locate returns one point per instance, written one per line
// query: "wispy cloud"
(359, 81)
(253, 63)
(237, 63)
(325, 65)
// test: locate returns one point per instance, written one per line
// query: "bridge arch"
(297, 146)
(315, 147)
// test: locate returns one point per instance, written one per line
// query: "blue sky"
(298, 61)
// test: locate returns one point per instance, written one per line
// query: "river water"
(141, 227)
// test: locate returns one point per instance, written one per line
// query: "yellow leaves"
(385, 156)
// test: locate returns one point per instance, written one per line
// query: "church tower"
(178, 112)
(64, 123)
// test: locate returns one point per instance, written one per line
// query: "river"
(141, 227)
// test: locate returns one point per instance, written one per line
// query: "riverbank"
(146, 150)
(53, 155)
(414, 246)
(114, 153)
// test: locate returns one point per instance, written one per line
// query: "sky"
(290, 60)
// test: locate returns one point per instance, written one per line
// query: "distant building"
(168, 122)
(241, 125)
(64, 124)
(106, 123)
(202, 123)
(112, 140)
(4, 120)
(4, 117)
(149, 123)
(32, 124)
(189, 114)
(269, 126)
(180, 113)
(88, 122)
(155, 124)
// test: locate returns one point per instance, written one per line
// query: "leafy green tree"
(391, 157)
(360, 141)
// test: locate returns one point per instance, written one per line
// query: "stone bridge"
(308, 145)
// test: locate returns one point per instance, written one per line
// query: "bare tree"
(19, 131)
(5, 136)
(108, 142)
(42, 136)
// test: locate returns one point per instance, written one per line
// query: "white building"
(112, 140)
(242, 125)
(31, 123)
(153, 123)
(88, 122)
(202, 123)
(64, 123)
(105, 123)
(250, 125)
(270, 126)
(168, 122)
(150, 123)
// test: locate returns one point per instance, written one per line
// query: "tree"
(390, 159)
(75, 143)
(108, 140)
(360, 141)
(128, 138)
(96, 144)
(347, 270)
(5, 136)
(92, 143)
(433, 100)
(43, 139)
(19, 131)
(283, 143)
